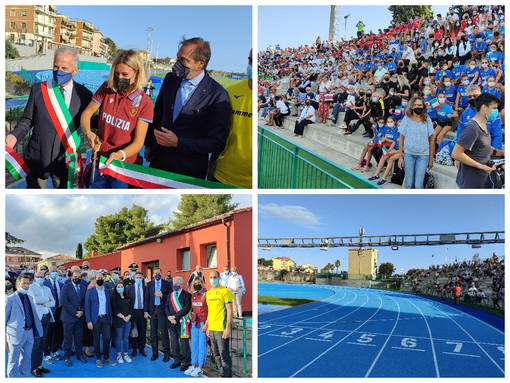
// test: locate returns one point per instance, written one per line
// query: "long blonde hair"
(132, 59)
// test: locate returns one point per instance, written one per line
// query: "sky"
(300, 25)
(342, 215)
(227, 28)
(55, 224)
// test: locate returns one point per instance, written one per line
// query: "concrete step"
(330, 142)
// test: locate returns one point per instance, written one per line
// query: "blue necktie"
(180, 98)
(157, 301)
(26, 306)
(77, 288)
(56, 293)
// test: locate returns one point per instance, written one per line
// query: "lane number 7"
(458, 346)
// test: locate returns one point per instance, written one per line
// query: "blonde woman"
(125, 112)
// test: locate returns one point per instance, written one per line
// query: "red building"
(214, 243)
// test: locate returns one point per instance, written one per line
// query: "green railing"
(240, 349)
(284, 165)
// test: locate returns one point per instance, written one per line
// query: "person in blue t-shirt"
(428, 96)
(491, 87)
(494, 127)
(494, 56)
(443, 72)
(479, 48)
(423, 45)
(391, 66)
(500, 78)
(448, 89)
(485, 72)
(379, 131)
(458, 70)
(399, 111)
(472, 71)
(445, 116)
(461, 100)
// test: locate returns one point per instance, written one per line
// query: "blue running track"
(358, 332)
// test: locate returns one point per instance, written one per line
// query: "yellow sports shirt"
(233, 166)
(217, 312)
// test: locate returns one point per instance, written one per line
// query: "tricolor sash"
(15, 164)
(150, 178)
(64, 125)
(185, 321)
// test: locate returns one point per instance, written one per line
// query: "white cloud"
(296, 214)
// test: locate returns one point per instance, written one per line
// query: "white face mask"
(390, 124)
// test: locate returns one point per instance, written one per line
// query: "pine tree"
(79, 251)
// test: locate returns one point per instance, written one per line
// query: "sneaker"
(382, 182)
(99, 364)
(110, 362)
(127, 358)
(347, 132)
(189, 370)
(356, 167)
(364, 168)
(57, 356)
(373, 178)
(197, 372)
(367, 135)
(119, 359)
(48, 359)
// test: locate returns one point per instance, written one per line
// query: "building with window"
(224, 240)
(18, 257)
(56, 260)
(31, 24)
(363, 263)
(283, 263)
(65, 31)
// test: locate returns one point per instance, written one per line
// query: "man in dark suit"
(22, 325)
(191, 115)
(45, 154)
(177, 308)
(156, 295)
(98, 316)
(136, 294)
(56, 332)
(72, 316)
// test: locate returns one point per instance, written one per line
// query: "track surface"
(358, 332)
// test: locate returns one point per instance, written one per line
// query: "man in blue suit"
(56, 332)
(156, 295)
(191, 115)
(136, 294)
(73, 316)
(177, 308)
(98, 314)
(22, 325)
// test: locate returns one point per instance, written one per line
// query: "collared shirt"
(190, 86)
(55, 287)
(224, 278)
(102, 301)
(67, 91)
(157, 288)
(138, 290)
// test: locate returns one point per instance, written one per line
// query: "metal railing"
(240, 349)
(284, 165)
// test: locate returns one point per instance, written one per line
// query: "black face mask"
(179, 70)
(472, 103)
(76, 281)
(157, 277)
(122, 84)
(197, 287)
(418, 110)
(100, 282)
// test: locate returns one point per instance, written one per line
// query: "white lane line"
(283, 336)
(341, 340)
(386, 342)
(407, 348)
(431, 339)
(307, 334)
(361, 344)
(459, 354)
(478, 344)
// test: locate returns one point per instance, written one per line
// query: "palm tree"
(337, 265)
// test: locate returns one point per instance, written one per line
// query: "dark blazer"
(201, 127)
(49, 283)
(92, 305)
(149, 295)
(71, 303)
(185, 300)
(131, 293)
(122, 306)
(45, 154)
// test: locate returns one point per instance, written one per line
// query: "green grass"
(278, 301)
(225, 82)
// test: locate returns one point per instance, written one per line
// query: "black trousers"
(102, 326)
(141, 325)
(160, 320)
(278, 118)
(349, 116)
(300, 126)
(365, 121)
(55, 333)
(179, 345)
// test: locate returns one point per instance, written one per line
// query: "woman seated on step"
(379, 131)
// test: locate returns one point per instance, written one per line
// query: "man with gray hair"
(52, 113)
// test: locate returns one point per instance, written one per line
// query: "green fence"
(240, 349)
(284, 165)
(91, 65)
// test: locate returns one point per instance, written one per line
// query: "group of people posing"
(408, 86)
(51, 310)
(197, 128)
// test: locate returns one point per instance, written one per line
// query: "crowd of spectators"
(480, 281)
(446, 62)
